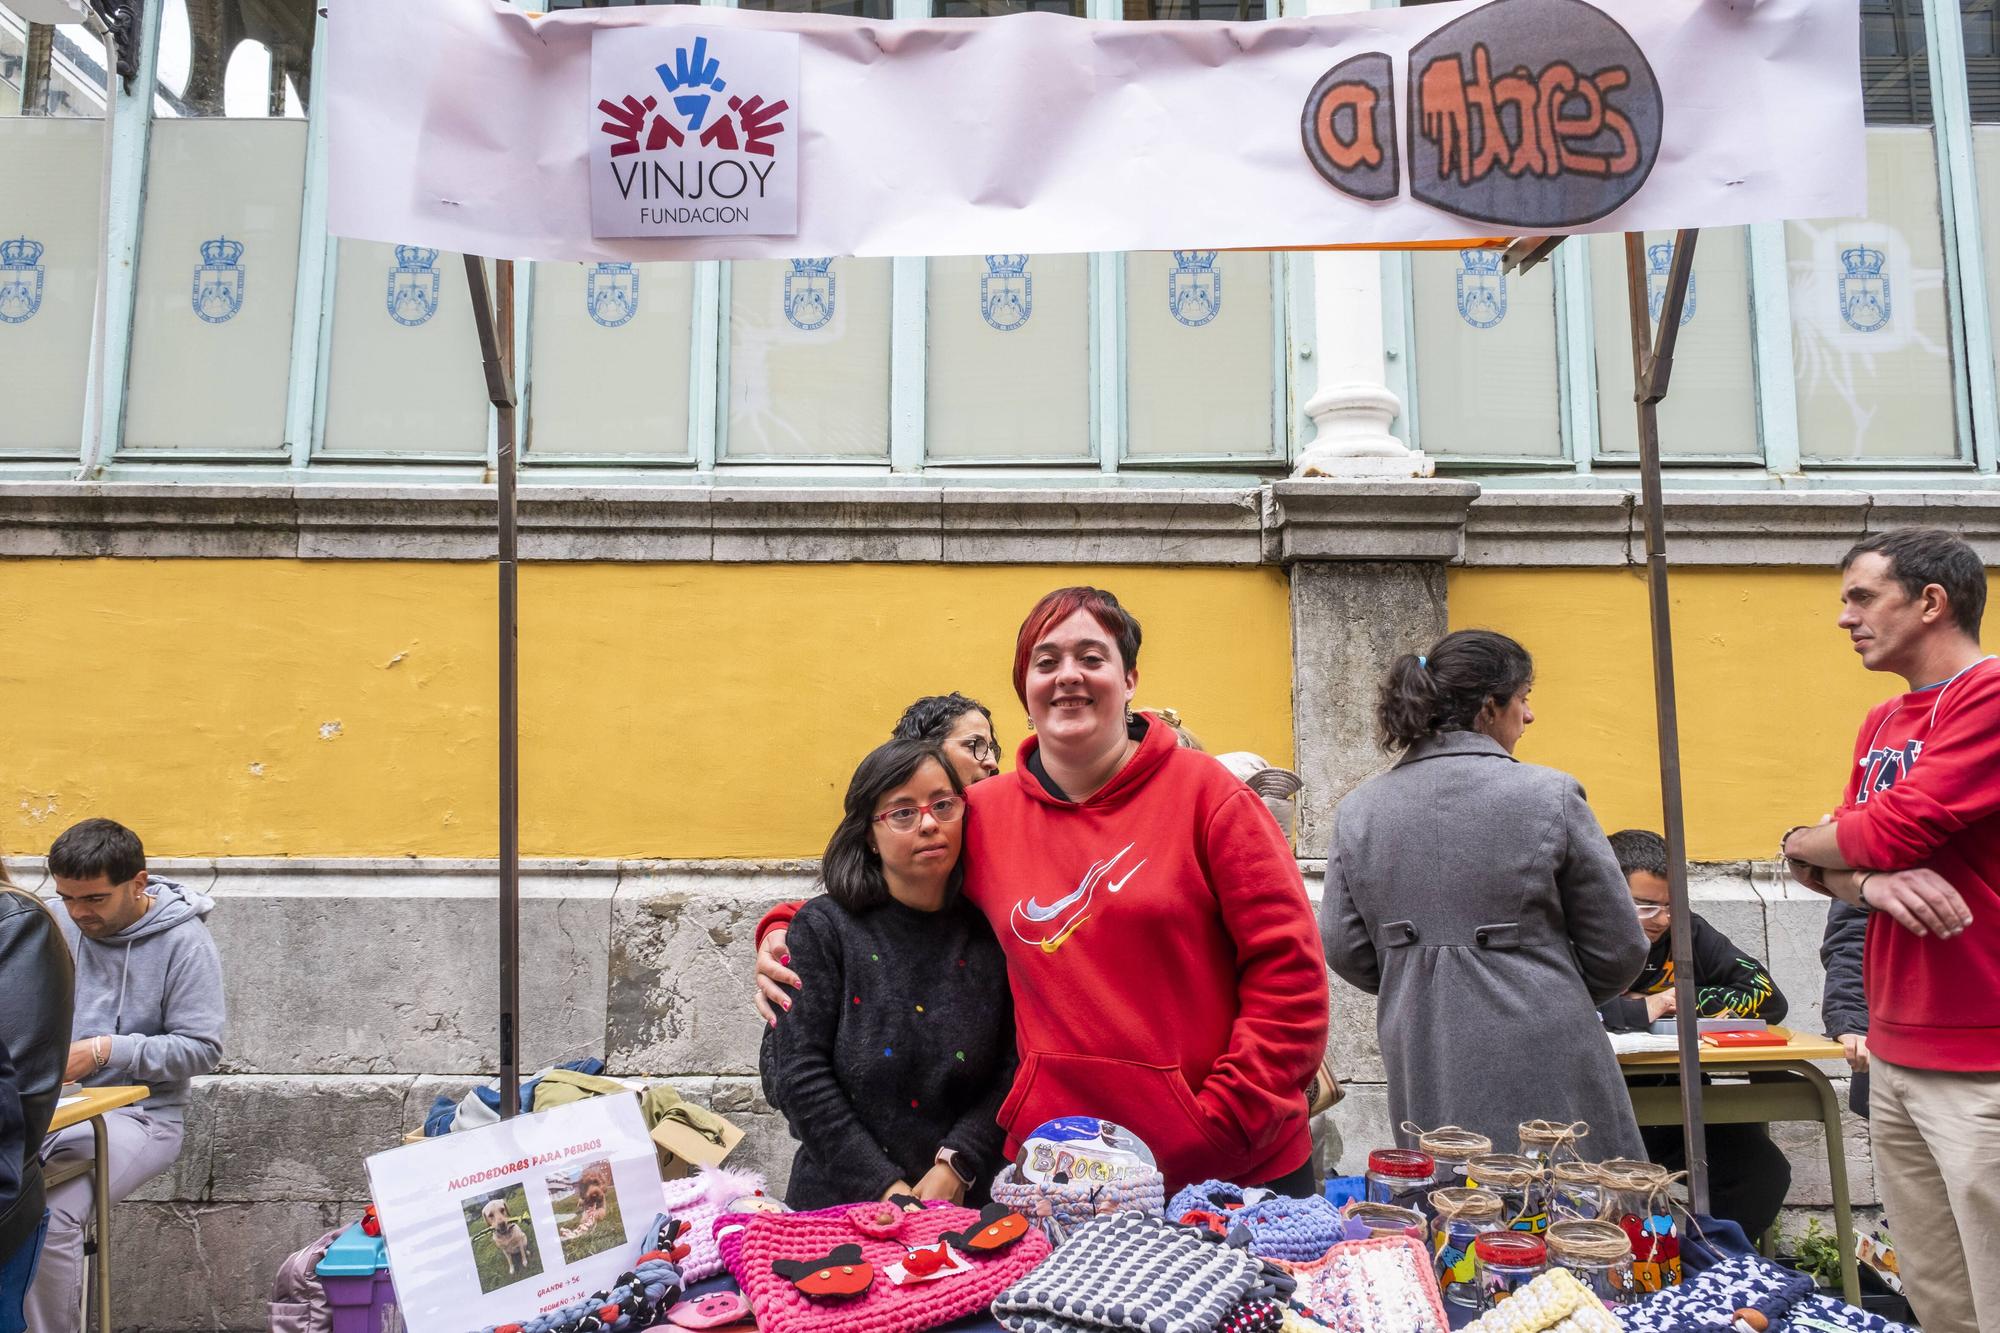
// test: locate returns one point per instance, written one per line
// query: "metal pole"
(1652, 369)
(496, 351)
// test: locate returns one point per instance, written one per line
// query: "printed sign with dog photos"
(498, 1224)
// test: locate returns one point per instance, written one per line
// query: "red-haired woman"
(1164, 959)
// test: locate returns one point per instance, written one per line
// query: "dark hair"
(934, 715)
(1059, 606)
(850, 870)
(1640, 849)
(97, 847)
(1446, 689)
(1919, 557)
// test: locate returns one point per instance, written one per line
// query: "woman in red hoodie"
(1163, 955)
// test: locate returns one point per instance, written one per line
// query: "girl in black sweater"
(891, 1064)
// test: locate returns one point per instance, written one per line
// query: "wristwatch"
(950, 1157)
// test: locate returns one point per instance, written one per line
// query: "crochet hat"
(701, 1198)
(1131, 1272)
(1074, 1168)
(875, 1268)
(1280, 1227)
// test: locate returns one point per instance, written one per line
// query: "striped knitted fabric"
(1073, 1203)
(1786, 1300)
(885, 1234)
(1364, 1286)
(1127, 1271)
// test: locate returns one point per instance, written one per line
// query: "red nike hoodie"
(1925, 792)
(1165, 962)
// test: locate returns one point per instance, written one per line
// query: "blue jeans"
(17, 1270)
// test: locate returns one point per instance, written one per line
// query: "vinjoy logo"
(701, 146)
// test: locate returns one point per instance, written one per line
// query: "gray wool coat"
(1479, 899)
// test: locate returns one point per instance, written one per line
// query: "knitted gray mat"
(1127, 1271)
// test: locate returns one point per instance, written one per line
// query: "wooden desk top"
(1798, 1046)
(95, 1102)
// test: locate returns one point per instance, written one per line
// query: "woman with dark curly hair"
(961, 727)
(1478, 898)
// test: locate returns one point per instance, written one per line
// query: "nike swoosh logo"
(1113, 888)
(1034, 910)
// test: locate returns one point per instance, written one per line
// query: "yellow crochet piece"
(1555, 1302)
(1298, 1323)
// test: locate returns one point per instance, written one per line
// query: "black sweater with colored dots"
(899, 1042)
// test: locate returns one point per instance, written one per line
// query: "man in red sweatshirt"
(1916, 844)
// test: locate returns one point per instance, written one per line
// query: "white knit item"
(1128, 1271)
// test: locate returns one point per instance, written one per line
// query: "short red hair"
(1059, 606)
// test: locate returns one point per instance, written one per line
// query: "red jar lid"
(1401, 1162)
(1515, 1249)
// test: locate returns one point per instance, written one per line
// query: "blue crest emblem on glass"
(218, 281)
(413, 285)
(1864, 289)
(21, 275)
(1194, 288)
(809, 293)
(611, 293)
(1659, 259)
(1482, 288)
(1007, 292)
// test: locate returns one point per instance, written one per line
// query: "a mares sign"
(1524, 113)
(694, 132)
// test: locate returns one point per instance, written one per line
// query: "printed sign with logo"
(694, 132)
(500, 1224)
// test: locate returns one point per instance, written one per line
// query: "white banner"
(498, 1224)
(467, 125)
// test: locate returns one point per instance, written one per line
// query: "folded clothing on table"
(1130, 1271)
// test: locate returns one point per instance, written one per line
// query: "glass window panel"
(1895, 74)
(860, 9)
(1201, 356)
(48, 276)
(1870, 343)
(1713, 407)
(1485, 356)
(246, 58)
(1980, 21)
(609, 373)
(976, 9)
(218, 271)
(808, 359)
(1232, 11)
(404, 373)
(1009, 359)
(59, 68)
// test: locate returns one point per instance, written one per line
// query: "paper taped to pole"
(683, 132)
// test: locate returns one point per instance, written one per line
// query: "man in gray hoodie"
(148, 1010)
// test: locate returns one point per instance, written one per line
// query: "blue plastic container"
(1343, 1190)
(359, 1291)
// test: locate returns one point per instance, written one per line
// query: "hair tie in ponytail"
(1423, 663)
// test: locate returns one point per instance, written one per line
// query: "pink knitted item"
(1365, 1285)
(884, 1307)
(698, 1200)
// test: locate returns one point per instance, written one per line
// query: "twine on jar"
(1449, 1142)
(1588, 1241)
(1552, 1138)
(1504, 1170)
(1458, 1204)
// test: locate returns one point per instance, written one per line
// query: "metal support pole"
(496, 351)
(1652, 370)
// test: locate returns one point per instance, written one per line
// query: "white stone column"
(1353, 407)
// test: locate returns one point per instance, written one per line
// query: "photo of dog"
(585, 1200)
(502, 1236)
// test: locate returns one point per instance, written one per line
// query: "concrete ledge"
(1280, 522)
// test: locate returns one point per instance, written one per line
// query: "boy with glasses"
(1748, 1174)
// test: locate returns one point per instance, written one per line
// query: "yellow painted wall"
(1770, 692)
(346, 708)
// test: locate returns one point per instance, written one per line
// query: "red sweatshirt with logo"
(1925, 792)
(1165, 961)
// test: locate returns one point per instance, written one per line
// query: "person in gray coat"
(1478, 898)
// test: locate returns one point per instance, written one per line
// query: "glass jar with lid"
(1575, 1192)
(1401, 1178)
(1451, 1148)
(1462, 1217)
(1507, 1261)
(1518, 1181)
(1599, 1254)
(1367, 1221)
